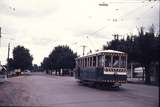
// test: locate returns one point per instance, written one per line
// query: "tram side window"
(77, 62)
(90, 61)
(100, 60)
(123, 62)
(115, 61)
(85, 62)
(80, 62)
(94, 61)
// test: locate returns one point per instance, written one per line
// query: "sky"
(41, 25)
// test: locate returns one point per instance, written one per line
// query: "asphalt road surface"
(60, 91)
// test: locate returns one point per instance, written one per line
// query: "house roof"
(2, 67)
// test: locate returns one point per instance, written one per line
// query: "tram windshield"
(115, 61)
(123, 62)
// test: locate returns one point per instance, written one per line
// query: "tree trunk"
(147, 74)
(56, 72)
(157, 73)
(143, 73)
(47, 71)
(59, 72)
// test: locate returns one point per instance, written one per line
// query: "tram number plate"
(115, 73)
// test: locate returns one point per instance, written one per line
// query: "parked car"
(18, 72)
(26, 72)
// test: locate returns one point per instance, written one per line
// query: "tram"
(107, 67)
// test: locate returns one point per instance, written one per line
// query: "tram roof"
(104, 51)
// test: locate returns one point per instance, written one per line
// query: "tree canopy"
(60, 57)
(21, 59)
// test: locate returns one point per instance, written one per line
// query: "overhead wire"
(126, 14)
(122, 17)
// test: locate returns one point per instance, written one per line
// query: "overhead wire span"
(126, 14)
(122, 17)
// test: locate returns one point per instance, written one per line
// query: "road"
(60, 91)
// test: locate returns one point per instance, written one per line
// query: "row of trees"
(143, 48)
(61, 57)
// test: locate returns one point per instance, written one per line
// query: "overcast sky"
(40, 25)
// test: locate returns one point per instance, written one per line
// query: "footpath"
(135, 80)
(138, 81)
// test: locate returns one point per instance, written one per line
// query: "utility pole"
(8, 57)
(0, 41)
(0, 36)
(131, 71)
(0, 32)
(84, 46)
(8, 51)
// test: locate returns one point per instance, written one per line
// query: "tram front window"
(107, 61)
(123, 62)
(115, 61)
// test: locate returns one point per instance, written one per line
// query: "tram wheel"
(117, 87)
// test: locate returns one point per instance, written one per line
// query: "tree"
(10, 64)
(35, 67)
(145, 46)
(22, 58)
(45, 65)
(62, 57)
